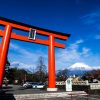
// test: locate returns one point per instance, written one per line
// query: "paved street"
(18, 89)
(57, 98)
(16, 92)
(74, 98)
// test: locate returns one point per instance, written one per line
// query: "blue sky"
(80, 18)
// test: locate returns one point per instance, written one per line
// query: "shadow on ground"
(6, 96)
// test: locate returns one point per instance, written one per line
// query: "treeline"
(22, 75)
(40, 74)
(94, 74)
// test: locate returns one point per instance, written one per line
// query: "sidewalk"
(47, 95)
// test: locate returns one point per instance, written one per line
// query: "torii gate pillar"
(51, 65)
(3, 52)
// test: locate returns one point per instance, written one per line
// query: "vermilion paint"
(4, 51)
(7, 34)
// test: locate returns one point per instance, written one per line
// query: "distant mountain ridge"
(20, 65)
(78, 68)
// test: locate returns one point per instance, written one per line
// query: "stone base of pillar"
(52, 89)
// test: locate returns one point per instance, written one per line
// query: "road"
(12, 90)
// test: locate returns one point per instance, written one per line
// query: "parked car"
(27, 85)
(38, 85)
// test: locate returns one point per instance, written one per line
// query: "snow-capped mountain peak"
(80, 66)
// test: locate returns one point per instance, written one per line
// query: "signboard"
(32, 34)
(69, 84)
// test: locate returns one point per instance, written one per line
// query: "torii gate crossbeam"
(7, 34)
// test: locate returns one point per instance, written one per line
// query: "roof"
(23, 24)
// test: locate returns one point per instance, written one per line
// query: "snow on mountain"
(79, 69)
(20, 65)
(96, 68)
(80, 66)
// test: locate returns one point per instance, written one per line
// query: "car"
(27, 85)
(37, 85)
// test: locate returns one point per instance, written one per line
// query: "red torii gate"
(7, 34)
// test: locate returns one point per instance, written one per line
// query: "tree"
(94, 74)
(41, 72)
(7, 67)
(62, 75)
(5, 79)
(12, 74)
(17, 74)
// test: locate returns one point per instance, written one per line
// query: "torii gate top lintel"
(26, 27)
(31, 26)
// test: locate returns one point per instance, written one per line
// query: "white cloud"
(71, 54)
(75, 52)
(26, 56)
(26, 53)
(79, 41)
(75, 45)
(21, 50)
(63, 57)
(85, 52)
(97, 37)
(92, 18)
(14, 46)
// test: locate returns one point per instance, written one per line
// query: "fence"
(81, 83)
(94, 86)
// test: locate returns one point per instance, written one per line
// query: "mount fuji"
(79, 69)
(80, 66)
